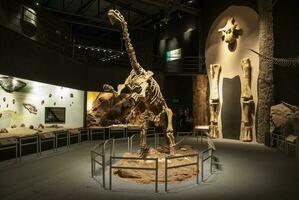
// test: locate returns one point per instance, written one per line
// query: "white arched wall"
(217, 52)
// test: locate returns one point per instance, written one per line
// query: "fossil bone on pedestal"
(246, 79)
(247, 102)
(215, 70)
(247, 118)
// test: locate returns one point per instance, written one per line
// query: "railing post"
(297, 149)
(128, 139)
(91, 163)
(197, 168)
(157, 172)
(17, 150)
(131, 143)
(155, 140)
(103, 168)
(110, 173)
(113, 147)
(202, 168)
(166, 173)
(211, 164)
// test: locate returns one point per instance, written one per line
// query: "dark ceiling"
(140, 14)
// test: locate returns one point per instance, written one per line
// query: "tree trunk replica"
(144, 90)
(201, 99)
(215, 70)
(265, 79)
(247, 103)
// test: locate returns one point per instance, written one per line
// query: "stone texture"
(265, 79)
(201, 99)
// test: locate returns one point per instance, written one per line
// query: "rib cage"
(154, 92)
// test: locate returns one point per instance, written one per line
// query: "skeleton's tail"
(284, 62)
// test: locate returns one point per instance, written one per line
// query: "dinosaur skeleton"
(143, 88)
(284, 62)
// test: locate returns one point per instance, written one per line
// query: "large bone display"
(143, 90)
(215, 70)
(230, 33)
(247, 102)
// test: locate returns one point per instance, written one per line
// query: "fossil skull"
(115, 16)
(230, 32)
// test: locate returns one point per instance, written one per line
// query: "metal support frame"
(179, 166)
(132, 130)
(95, 131)
(117, 130)
(203, 159)
(76, 135)
(84, 132)
(40, 141)
(11, 146)
(22, 142)
(57, 138)
(156, 169)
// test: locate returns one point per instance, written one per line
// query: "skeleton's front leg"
(169, 130)
(143, 137)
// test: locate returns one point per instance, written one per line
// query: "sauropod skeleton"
(143, 89)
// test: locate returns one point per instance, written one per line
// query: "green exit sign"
(175, 54)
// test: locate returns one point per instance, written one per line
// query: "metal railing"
(179, 166)
(33, 140)
(284, 145)
(100, 150)
(200, 157)
(13, 145)
(156, 169)
(94, 154)
(204, 159)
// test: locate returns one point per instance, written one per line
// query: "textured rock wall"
(265, 78)
(201, 99)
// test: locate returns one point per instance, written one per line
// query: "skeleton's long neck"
(133, 60)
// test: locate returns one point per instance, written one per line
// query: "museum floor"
(247, 171)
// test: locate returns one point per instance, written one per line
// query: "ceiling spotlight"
(122, 53)
(79, 47)
(104, 50)
(160, 25)
(92, 49)
(86, 48)
(98, 49)
(37, 4)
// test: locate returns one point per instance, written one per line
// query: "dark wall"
(178, 91)
(180, 32)
(28, 59)
(286, 31)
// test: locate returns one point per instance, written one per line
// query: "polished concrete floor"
(244, 171)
